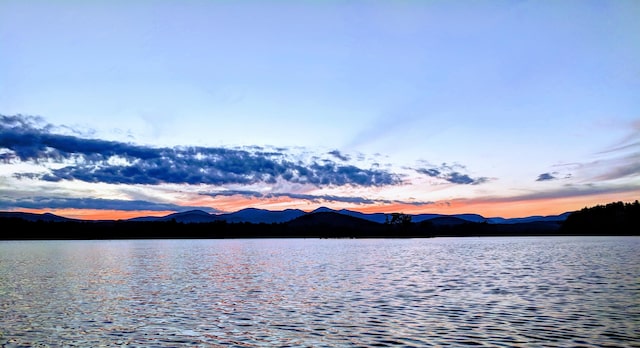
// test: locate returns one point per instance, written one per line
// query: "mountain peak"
(323, 210)
(194, 212)
(189, 216)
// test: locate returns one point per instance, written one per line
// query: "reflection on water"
(555, 291)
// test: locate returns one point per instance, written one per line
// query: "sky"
(115, 109)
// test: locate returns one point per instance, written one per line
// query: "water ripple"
(484, 292)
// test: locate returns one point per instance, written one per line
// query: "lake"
(502, 291)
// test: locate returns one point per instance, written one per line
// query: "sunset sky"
(115, 109)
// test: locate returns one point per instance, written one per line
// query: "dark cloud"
(94, 203)
(230, 193)
(94, 160)
(429, 172)
(458, 178)
(545, 177)
(314, 198)
(337, 154)
(451, 173)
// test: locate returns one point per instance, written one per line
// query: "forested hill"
(613, 218)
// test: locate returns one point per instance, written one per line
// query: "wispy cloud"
(95, 203)
(623, 159)
(626, 166)
(451, 173)
(315, 198)
(630, 141)
(565, 191)
(619, 161)
(94, 160)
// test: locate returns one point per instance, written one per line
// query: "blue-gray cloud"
(314, 198)
(451, 173)
(92, 160)
(339, 155)
(95, 203)
(546, 177)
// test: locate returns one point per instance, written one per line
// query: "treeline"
(614, 218)
(19, 229)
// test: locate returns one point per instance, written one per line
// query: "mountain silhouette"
(331, 219)
(254, 215)
(189, 216)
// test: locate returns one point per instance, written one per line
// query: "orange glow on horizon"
(508, 208)
(97, 214)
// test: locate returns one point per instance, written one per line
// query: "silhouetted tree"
(399, 219)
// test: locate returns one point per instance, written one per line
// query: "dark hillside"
(616, 218)
(331, 220)
(336, 225)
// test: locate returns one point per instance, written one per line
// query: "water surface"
(530, 291)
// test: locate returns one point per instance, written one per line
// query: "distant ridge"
(190, 216)
(46, 217)
(549, 218)
(257, 216)
(447, 221)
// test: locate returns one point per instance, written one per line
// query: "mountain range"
(613, 219)
(262, 216)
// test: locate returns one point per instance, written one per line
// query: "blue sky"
(497, 107)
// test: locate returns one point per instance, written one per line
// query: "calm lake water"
(552, 292)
